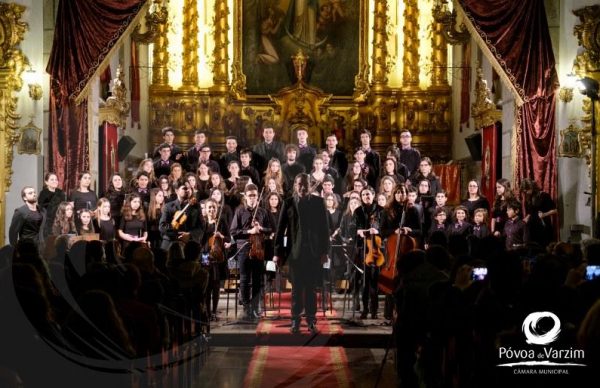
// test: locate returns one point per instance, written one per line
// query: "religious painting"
(29, 139)
(570, 144)
(274, 30)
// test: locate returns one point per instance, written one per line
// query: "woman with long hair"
(317, 175)
(155, 206)
(64, 222)
(354, 172)
(390, 169)
(504, 194)
(116, 196)
(191, 181)
(203, 177)
(387, 186)
(539, 207)
(167, 189)
(86, 225)
(475, 200)
(217, 182)
(50, 199)
(147, 165)
(218, 228)
(105, 224)
(133, 221)
(83, 197)
(274, 171)
(219, 197)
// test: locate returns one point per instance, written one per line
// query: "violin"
(180, 216)
(374, 254)
(215, 242)
(257, 246)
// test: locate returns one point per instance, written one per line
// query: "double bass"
(398, 244)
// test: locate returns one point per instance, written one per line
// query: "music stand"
(350, 279)
(237, 289)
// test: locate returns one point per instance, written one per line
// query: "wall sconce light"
(32, 79)
(565, 94)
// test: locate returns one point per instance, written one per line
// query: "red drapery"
(85, 33)
(516, 33)
(489, 162)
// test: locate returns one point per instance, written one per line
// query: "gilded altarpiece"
(237, 103)
(12, 64)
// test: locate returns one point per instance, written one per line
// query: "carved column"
(220, 53)
(160, 55)
(411, 45)
(439, 76)
(380, 51)
(12, 63)
(190, 45)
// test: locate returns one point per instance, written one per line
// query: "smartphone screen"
(592, 272)
(479, 273)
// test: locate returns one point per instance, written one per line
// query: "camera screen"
(592, 272)
(479, 273)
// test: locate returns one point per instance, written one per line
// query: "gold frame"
(22, 147)
(571, 129)
(238, 78)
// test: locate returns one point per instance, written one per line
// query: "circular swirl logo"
(530, 328)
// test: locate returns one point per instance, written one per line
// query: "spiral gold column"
(439, 76)
(160, 55)
(220, 53)
(411, 45)
(190, 46)
(380, 51)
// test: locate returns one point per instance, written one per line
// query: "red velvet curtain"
(516, 32)
(85, 33)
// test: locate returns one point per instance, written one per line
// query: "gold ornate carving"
(190, 46)
(220, 53)
(116, 108)
(160, 55)
(380, 52)
(447, 20)
(587, 64)
(301, 103)
(483, 110)
(153, 21)
(12, 64)
(439, 76)
(411, 45)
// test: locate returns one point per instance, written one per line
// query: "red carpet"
(307, 366)
(297, 366)
(282, 326)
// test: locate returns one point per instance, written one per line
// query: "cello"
(398, 244)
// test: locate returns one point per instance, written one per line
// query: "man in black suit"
(306, 152)
(291, 167)
(232, 152)
(27, 220)
(268, 149)
(192, 228)
(337, 158)
(371, 156)
(303, 220)
(169, 138)
(162, 166)
(193, 153)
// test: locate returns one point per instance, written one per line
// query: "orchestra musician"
(368, 221)
(180, 219)
(250, 223)
(215, 241)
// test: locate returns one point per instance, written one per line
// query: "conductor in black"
(303, 221)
